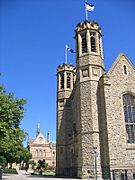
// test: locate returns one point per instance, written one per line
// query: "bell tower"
(89, 44)
(65, 84)
(89, 69)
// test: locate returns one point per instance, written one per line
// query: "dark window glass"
(93, 41)
(126, 113)
(84, 44)
(62, 81)
(99, 45)
(133, 112)
(68, 80)
(93, 44)
(129, 113)
(125, 69)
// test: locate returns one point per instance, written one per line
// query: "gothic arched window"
(62, 81)
(129, 113)
(84, 44)
(68, 80)
(99, 40)
(93, 42)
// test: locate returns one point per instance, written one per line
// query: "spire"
(38, 128)
(48, 136)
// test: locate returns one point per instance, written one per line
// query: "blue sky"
(33, 35)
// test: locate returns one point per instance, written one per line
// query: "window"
(99, 39)
(125, 69)
(93, 42)
(84, 44)
(62, 81)
(129, 113)
(68, 80)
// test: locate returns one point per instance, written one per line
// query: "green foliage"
(42, 165)
(32, 162)
(23, 154)
(11, 135)
(3, 161)
(10, 171)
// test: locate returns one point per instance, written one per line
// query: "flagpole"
(66, 54)
(86, 12)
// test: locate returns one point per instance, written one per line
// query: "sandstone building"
(43, 149)
(95, 112)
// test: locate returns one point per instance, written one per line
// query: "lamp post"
(95, 157)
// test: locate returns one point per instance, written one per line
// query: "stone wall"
(122, 154)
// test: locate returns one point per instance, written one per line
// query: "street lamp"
(95, 156)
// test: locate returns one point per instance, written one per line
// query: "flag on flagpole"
(69, 49)
(89, 7)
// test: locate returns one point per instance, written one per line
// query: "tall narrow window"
(99, 39)
(68, 80)
(84, 44)
(62, 81)
(93, 41)
(129, 113)
(125, 69)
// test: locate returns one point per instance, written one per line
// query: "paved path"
(30, 177)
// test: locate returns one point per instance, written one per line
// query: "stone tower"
(65, 84)
(96, 114)
(89, 69)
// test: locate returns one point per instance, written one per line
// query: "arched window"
(125, 69)
(84, 44)
(129, 113)
(62, 81)
(68, 80)
(93, 42)
(99, 40)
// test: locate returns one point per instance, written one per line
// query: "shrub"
(10, 171)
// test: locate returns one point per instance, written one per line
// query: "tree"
(3, 161)
(11, 114)
(42, 165)
(32, 163)
(23, 156)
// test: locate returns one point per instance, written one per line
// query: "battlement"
(66, 67)
(88, 25)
